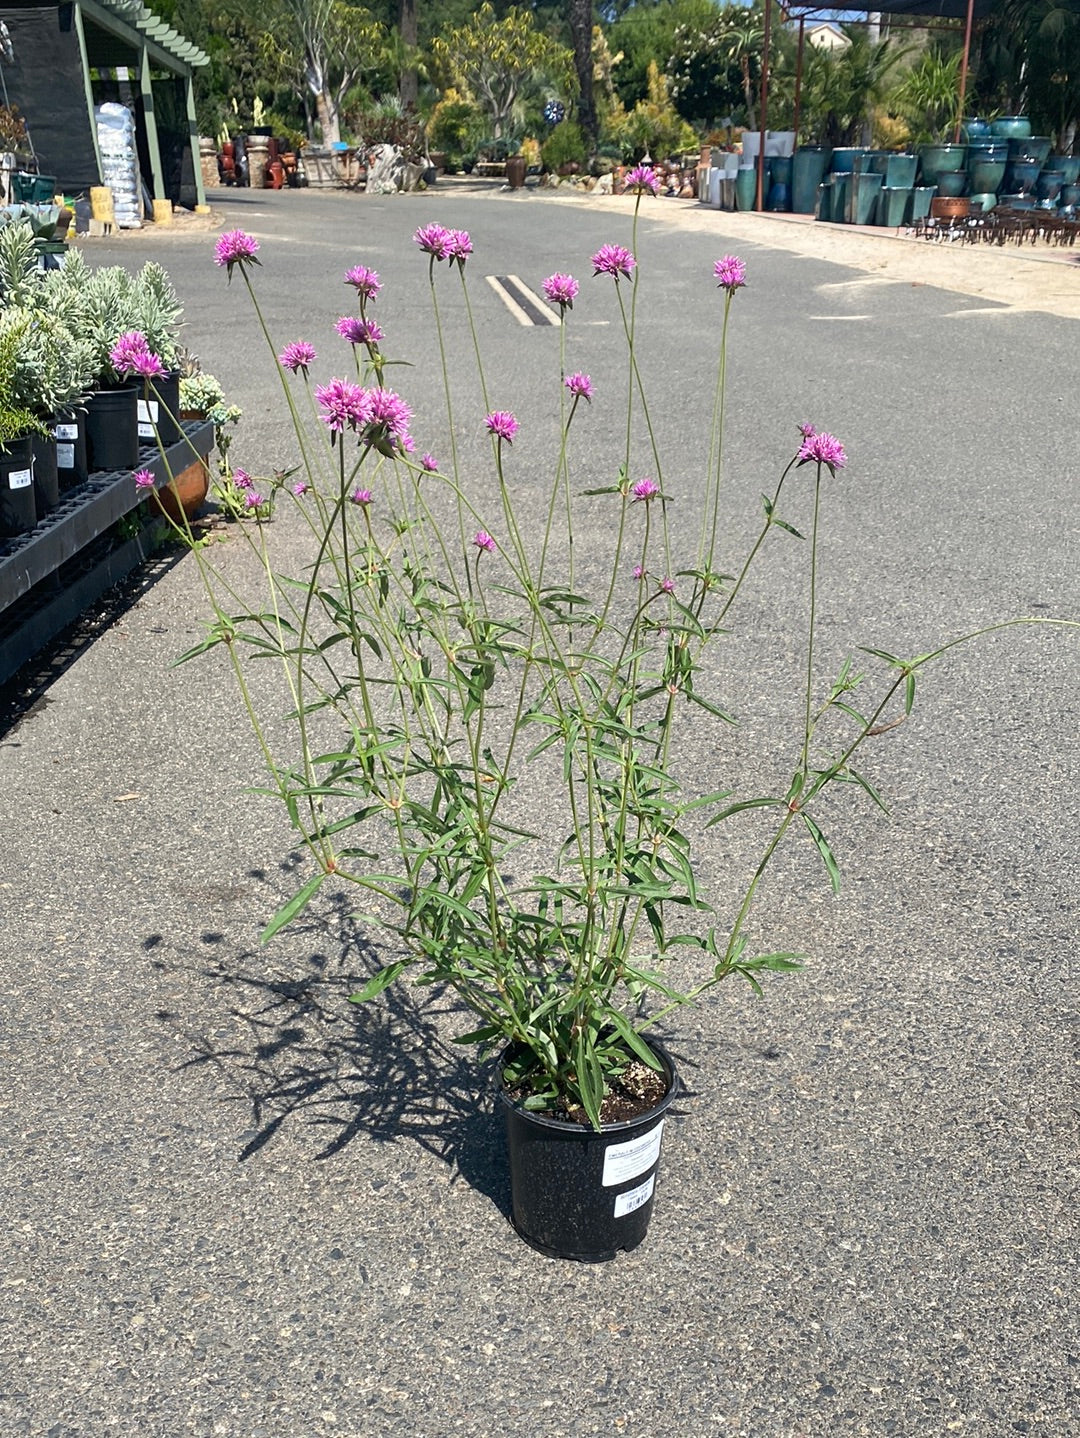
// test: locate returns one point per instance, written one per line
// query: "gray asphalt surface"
(236, 1205)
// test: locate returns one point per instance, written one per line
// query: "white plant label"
(626, 1160)
(65, 456)
(66, 431)
(627, 1202)
(148, 413)
(20, 479)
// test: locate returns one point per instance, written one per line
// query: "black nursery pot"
(582, 1194)
(46, 475)
(158, 410)
(18, 511)
(112, 428)
(70, 435)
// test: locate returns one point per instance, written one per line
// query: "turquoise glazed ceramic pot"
(952, 183)
(807, 170)
(1069, 165)
(1009, 126)
(937, 160)
(986, 175)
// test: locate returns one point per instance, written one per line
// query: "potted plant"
(489, 734)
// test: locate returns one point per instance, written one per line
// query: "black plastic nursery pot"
(69, 432)
(18, 511)
(112, 428)
(46, 475)
(581, 1193)
(158, 411)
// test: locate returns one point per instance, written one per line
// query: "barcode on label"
(627, 1202)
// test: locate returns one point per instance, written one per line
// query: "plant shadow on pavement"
(299, 1052)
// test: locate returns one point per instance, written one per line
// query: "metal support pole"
(798, 76)
(759, 203)
(964, 69)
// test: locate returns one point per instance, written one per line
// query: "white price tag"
(20, 479)
(627, 1202)
(65, 456)
(623, 1161)
(66, 431)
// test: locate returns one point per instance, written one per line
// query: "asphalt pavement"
(237, 1205)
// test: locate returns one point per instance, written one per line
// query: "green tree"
(498, 60)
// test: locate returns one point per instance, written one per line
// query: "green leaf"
(289, 911)
(826, 853)
(380, 981)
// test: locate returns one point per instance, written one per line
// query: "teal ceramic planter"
(986, 175)
(937, 160)
(848, 160)
(1069, 165)
(892, 206)
(745, 189)
(841, 182)
(862, 194)
(808, 168)
(952, 183)
(1010, 126)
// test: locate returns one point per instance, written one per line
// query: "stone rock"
(389, 173)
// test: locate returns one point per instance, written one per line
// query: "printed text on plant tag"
(627, 1202)
(626, 1160)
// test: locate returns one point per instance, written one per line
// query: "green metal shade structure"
(967, 10)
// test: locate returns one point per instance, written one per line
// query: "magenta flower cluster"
(561, 290)
(730, 273)
(365, 282)
(502, 424)
(298, 356)
(131, 355)
(613, 260)
(821, 448)
(235, 247)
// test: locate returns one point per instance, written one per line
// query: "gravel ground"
(237, 1205)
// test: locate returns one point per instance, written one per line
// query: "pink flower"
(297, 356)
(826, 449)
(147, 366)
(459, 247)
(129, 349)
(300, 489)
(434, 240)
(235, 247)
(561, 290)
(641, 179)
(502, 424)
(242, 479)
(668, 586)
(143, 479)
(645, 489)
(358, 332)
(730, 273)
(253, 499)
(365, 282)
(345, 404)
(362, 497)
(430, 463)
(483, 540)
(613, 260)
(579, 385)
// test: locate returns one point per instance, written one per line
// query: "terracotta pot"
(186, 493)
